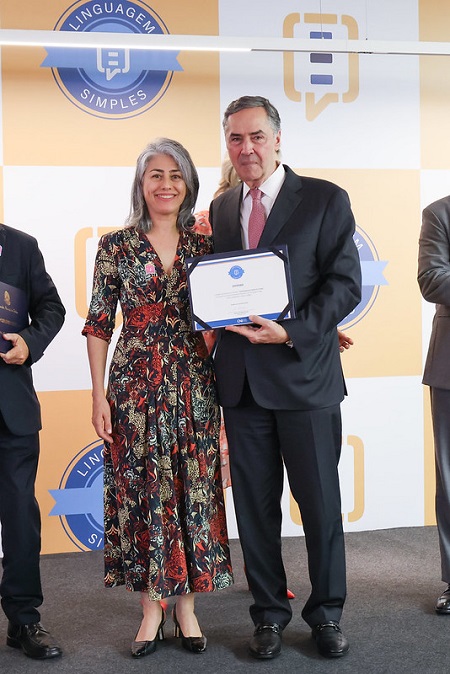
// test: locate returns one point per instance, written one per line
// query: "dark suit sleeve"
(45, 309)
(334, 286)
(434, 253)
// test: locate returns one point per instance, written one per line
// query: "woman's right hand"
(101, 418)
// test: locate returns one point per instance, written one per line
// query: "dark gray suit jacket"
(313, 217)
(434, 282)
(22, 266)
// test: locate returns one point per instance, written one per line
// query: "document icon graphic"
(320, 78)
(113, 62)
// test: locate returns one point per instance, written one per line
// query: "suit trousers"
(309, 445)
(440, 409)
(20, 587)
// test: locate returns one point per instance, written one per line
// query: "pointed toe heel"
(192, 644)
(140, 649)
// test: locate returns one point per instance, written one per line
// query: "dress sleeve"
(101, 318)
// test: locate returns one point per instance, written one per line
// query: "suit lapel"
(285, 204)
(228, 237)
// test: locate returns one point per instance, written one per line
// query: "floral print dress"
(165, 528)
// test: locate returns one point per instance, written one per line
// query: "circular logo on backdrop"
(372, 278)
(79, 499)
(112, 83)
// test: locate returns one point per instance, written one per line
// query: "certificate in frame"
(227, 288)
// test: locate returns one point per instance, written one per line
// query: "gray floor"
(393, 582)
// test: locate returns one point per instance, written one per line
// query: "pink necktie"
(257, 218)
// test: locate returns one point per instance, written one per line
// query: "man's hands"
(269, 332)
(19, 352)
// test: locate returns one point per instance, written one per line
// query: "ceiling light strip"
(211, 43)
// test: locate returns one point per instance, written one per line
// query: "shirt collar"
(272, 185)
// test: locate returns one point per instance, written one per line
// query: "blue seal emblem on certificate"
(236, 271)
(228, 288)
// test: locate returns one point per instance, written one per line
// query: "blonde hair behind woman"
(228, 178)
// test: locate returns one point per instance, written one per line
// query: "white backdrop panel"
(386, 414)
(57, 202)
(363, 133)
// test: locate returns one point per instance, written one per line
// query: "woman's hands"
(101, 417)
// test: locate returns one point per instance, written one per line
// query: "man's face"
(252, 145)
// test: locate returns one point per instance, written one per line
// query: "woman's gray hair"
(139, 216)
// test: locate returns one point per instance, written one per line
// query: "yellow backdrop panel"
(388, 338)
(66, 431)
(46, 128)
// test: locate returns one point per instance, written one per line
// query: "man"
(281, 383)
(22, 267)
(434, 282)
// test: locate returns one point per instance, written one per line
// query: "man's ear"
(278, 141)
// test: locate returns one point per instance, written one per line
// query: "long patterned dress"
(165, 528)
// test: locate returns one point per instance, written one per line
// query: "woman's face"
(163, 186)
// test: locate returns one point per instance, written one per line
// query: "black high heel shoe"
(193, 644)
(141, 648)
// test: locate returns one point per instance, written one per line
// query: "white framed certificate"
(227, 288)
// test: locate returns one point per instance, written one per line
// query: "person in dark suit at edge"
(22, 266)
(281, 383)
(434, 283)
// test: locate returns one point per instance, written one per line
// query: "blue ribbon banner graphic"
(58, 57)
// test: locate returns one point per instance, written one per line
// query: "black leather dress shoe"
(443, 602)
(331, 643)
(266, 641)
(34, 641)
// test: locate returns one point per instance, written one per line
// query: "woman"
(165, 530)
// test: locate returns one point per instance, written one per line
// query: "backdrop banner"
(74, 122)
